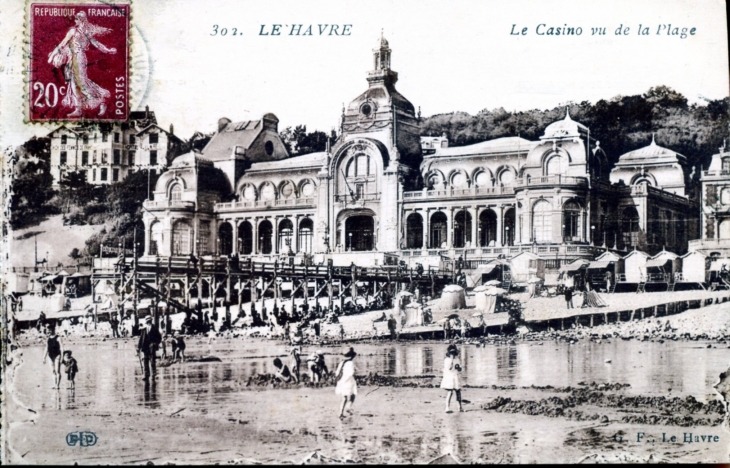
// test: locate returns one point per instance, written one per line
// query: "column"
(147, 235)
(275, 227)
(500, 226)
(275, 246)
(426, 227)
(449, 228)
(255, 235)
(474, 226)
(295, 235)
(234, 235)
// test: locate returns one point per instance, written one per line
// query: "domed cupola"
(566, 128)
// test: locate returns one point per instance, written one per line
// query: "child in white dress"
(450, 382)
(346, 385)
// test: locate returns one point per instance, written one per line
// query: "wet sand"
(205, 413)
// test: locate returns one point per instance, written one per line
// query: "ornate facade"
(715, 212)
(381, 191)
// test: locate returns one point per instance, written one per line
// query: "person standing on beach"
(54, 353)
(294, 362)
(450, 382)
(346, 385)
(149, 340)
(392, 325)
(569, 298)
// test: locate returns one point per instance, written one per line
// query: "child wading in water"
(346, 385)
(450, 383)
(70, 367)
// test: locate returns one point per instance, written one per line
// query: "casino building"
(381, 192)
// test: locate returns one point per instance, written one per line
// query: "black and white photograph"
(382, 232)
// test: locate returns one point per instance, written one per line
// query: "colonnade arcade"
(458, 227)
(251, 235)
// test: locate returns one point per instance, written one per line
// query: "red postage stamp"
(79, 62)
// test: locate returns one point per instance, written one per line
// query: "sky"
(453, 55)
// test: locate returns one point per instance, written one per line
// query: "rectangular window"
(154, 138)
(95, 137)
(117, 156)
(93, 160)
(84, 158)
(103, 157)
(104, 137)
(63, 157)
(64, 139)
(116, 137)
(86, 139)
(104, 173)
(153, 158)
(132, 139)
(131, 158)
(93, 175)
(83, 175)
(115, 175)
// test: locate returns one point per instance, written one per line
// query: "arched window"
(438, 230)
(360, 166)
(462, 228)
(643, 181)
(286, 236)
(268, 192)
(306, 235)
(435, 182)
(487, 228)
(155, 238)
(725, 196)
(483, 179)
(459, 180)
(248, 193)
(225, 239)
(509, 227)
(265, 233)
(506, 177)
(307, 189)
(542, 222)
(181, 237)
(287, 190)
(176, 192)
(245, 238)
(556, 165)
(414, 231)
(630, 227)
(724, 229)
(571, 222)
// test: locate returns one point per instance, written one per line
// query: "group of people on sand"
(344, 375)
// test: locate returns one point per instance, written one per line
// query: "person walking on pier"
(450, 382)
(149, 340)
(346, 385)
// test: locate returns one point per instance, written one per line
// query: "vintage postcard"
(326, 232)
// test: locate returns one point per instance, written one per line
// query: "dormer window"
(154, 138)
(725, 164)
(64, 139)
(269, 147)
(176, 192)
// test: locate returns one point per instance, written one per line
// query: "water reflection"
(109, 370)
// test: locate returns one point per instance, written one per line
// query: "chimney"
(239, 152)
(146, 112)
(222, 123)
(172, 129)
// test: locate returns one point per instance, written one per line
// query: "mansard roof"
(498, 145)
(310, 160)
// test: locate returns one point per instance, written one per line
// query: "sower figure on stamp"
(83, 94)
(149, 340)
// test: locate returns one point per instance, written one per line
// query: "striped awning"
(600, 265)
(657, 262)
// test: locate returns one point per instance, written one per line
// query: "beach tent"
(663, 266)
(453, 297)
(485, 303)
(695, 266)
(494, 270)
(635, 266)
(525, 266)
(573, 273)
(414, 315)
